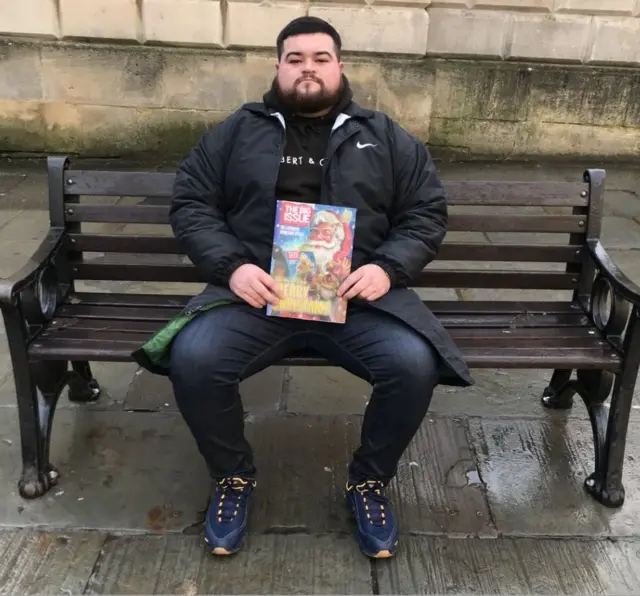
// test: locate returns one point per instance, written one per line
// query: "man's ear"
(341, 65)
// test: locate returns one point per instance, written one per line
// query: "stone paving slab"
(114, 378)
(437, 487)
(620, 233)
(119, 471)
(268, 564)
(429, 565)
(534, 473)
(260, 393)
(498, 393)
(47, 563)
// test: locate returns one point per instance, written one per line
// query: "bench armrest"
(11, 286)
(621, 284)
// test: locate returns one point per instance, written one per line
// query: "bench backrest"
(493, 225)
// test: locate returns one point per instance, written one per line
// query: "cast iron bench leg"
(559, 393)
(605, 484)
(83, 387)
(35, 410)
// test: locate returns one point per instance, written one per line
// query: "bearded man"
(309, 141)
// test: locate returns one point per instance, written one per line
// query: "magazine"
(311, 257)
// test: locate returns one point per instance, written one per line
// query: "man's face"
(309, 74)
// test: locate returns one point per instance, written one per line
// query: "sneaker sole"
(220, 551)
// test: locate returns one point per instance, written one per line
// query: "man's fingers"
(265, 293)
(357, 288)
(253, 298)
(272, 285)
(369, 293)
(351, 279)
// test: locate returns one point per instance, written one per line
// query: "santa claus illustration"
(330, 238)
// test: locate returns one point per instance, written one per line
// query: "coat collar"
(353, 110)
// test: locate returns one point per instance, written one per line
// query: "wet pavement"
(489, 494)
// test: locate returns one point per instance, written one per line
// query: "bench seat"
(108, 327)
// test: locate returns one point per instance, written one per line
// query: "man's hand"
(369, 282)
(254, 286)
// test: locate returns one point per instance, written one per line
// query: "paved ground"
(489, 495)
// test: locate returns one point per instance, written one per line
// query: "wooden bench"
(591, 329)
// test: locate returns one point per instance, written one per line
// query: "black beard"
(309, 104)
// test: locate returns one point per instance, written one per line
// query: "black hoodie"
(300, 173)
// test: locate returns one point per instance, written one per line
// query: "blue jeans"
(227, 344)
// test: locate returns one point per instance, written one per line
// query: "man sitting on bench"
(309, 142)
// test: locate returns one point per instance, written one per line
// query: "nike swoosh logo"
(360, 145)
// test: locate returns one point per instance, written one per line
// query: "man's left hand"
(369, 282)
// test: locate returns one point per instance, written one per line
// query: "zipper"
(339, 122)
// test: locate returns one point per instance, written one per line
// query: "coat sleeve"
(197, 212)
(419, 213)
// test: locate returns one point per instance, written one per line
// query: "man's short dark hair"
(306, 26)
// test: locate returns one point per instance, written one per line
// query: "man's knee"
(415, 362)
(195, 352)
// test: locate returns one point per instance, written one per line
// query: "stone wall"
(502, 78)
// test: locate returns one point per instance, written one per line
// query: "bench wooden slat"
(476, 251)
(516, 193)
(597, 357)
(458, 222)
(131, 184)
(441, 307)
(141, 214)
(434, 278)
(117, 330)
(521, 280)
(454, 251)
(103, 314)
(122, 243)
(517, 223)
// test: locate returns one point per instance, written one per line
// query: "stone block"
(596, 6)
(541, 5)
(267, 564)
(452, 3)
(376, 28)
(363, 78)
(257, 24)
(462, 33)
(188, 22)
(116, 130)
(99, 76)
(478, 90)
(20, 76)
(258, 73)
(620, 233)
(566, 95)
(509, 566)
(534, 472)
(108, 19)
(405, 92)
(550, 138)
(65, 560)
(561, 37)
(204, 82)
(616, 40)
(636, 12)
(29, 17)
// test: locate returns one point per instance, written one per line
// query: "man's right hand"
(254, 286)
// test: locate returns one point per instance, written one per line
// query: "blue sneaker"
(226, 521)
(377, 527)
